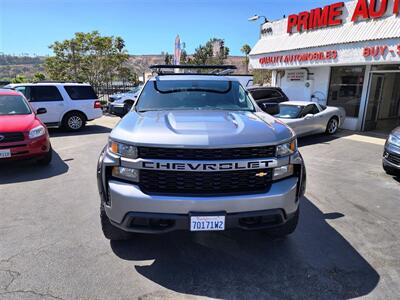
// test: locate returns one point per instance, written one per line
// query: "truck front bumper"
(127, 204)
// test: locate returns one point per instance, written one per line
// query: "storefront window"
(346, 88)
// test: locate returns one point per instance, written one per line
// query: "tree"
(38, 76)
(88, 57)
(168, 59)
(246, 51)
(213, 52)
(184, 58)
(19, 79)
(119, 43)
(261, 76)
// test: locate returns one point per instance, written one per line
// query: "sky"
(147, 26)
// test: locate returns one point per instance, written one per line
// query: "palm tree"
(246, 51)
(119, 43)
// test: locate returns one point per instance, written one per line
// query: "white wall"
(318, 85)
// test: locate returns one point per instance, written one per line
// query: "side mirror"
(41, 111)
(309, 116)
(271, 108)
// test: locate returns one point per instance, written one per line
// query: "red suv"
(22, 134)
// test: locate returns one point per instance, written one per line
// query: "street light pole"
(256, 18)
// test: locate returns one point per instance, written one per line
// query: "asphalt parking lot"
(347, 244)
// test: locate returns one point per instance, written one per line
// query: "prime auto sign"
(331, 15)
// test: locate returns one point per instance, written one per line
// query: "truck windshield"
(194, 95)
(13, 105)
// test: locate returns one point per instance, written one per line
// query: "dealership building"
(345, 54)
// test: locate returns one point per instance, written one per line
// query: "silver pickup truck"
(196, 153)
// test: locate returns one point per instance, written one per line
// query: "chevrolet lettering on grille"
(207, 167)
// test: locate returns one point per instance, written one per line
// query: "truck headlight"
(282, 172)
(123, 150)
(126, 173)
(37, 132)
(394, 140)
(286, 149)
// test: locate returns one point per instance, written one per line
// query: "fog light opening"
(126, 173)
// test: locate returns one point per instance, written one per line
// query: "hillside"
(10, 66)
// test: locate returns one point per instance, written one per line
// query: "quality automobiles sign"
(330, 15)
(302, 57)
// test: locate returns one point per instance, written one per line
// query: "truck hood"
(201, 129)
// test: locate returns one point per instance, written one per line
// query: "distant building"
(217, 47)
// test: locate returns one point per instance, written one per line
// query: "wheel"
(288, 228)
(332, 126)
(128, 106)
(110, 231)
(46, 160)
(74, 121)
(391, 171)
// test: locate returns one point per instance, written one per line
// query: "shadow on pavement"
(89, 129)
(30, 170)
(314, 262)
(316, 139)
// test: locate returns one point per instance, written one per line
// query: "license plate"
(5, 153)
(207, 223)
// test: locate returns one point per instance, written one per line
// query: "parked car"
(69, 105)
(22, 133)
(262, 94)
(307, 118)
(391, 154)
(121, 104)
(196, 153)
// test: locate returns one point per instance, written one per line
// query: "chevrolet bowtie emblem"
(261, 174)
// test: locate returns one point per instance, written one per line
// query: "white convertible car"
(307, 118)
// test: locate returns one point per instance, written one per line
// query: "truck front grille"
(10, 137)
(206, 154)
(205, 183)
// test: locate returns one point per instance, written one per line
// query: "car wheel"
(46, 160)
(110, 231)
(128, 106)
(288, 228)
(74, 121)
(333, 126)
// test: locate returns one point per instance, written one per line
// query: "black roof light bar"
(217, 69)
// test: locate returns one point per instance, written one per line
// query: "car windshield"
(194, 94)
(13, 105)
(289, 111)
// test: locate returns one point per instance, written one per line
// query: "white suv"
(68, 105)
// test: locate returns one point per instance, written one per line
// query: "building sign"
(266, 31)
(307, 56)
(331, 14)
(381, 51)
(296, 75)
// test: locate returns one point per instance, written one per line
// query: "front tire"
(288, 228)
(74, 121)
(110, 231)
(333, 126)
(46, 160)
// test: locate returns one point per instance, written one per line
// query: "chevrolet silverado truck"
(196, 153)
